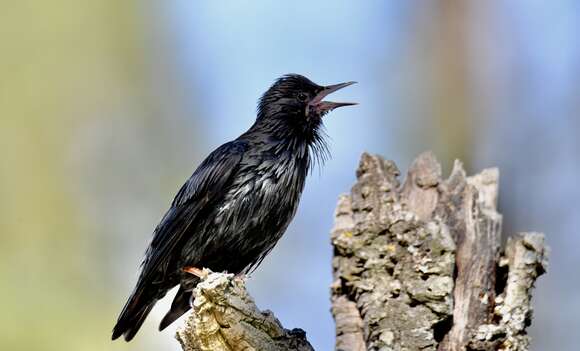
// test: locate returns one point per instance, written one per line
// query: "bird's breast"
(251, 217)
(265, 197)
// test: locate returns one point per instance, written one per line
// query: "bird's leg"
(242, 276)
(200, 273)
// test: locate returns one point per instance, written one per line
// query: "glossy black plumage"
(237, 204)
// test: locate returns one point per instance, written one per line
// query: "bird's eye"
(302, 97)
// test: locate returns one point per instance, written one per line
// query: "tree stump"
(419, 266)
(225, 318)
(416, 266)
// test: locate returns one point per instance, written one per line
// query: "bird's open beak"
(323, 107)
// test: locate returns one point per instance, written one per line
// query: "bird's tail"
(133, 315)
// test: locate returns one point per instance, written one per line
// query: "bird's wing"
(207, 184)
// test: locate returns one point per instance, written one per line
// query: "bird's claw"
(242, 277)
(200, 273)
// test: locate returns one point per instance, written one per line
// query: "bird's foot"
(242, 277)
(200, 273)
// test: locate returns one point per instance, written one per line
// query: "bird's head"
(296, 103)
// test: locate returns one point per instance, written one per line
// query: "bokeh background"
(107, 106)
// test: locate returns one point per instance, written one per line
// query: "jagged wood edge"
(463, 206)
(393, 267)
(225, 318)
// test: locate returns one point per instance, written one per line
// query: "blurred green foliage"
(58, 59)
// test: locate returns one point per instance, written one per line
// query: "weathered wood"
(468, 207)
(525, 259)
(225, 318)
(392, 264)
(419, 266)
(416, 266)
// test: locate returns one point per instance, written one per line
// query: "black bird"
(237, 204)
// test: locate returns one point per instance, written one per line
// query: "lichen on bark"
(225, 318)
(415, 265)
(396, 267)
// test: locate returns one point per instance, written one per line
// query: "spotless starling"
(237, 204)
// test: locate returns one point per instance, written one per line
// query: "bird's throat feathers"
(292, 135)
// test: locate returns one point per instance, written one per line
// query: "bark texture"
(417, 266)
(225, 318)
